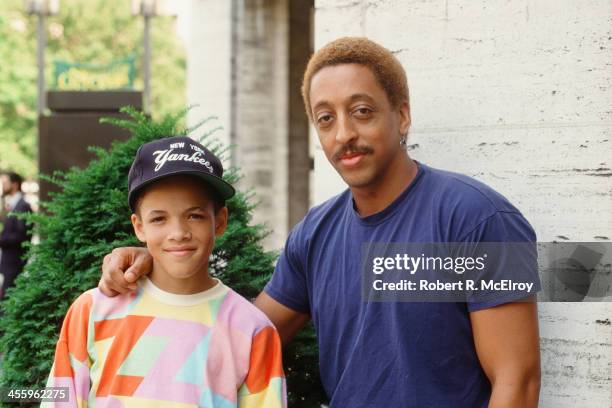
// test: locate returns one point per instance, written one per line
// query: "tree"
(18, 96)
(92, 31)
(89, 217)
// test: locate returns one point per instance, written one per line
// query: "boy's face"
(177, 221)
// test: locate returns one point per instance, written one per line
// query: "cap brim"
(225, 190)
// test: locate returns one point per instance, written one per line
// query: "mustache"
(352, 149)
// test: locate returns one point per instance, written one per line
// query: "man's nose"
(345, 131)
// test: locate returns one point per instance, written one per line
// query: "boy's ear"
(138, 230)
(221, 221)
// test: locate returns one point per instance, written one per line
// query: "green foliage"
(18, 96)
(89, 217)
(89, 31)
(301, 358)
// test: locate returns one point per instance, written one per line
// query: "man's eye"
(324, 119)
(363, 111)
(196, 216)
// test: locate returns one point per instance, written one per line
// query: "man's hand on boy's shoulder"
(122, 268)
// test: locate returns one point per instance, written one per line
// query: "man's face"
(178, 223)
(358, 128)
(7, 186)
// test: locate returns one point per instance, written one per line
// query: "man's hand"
(122, 268)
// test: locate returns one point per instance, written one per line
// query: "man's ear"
(405, 120)
(221, 221)
(138, 229)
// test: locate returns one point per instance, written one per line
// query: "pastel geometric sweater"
(151, 348)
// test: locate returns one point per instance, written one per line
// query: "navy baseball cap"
(174, 156)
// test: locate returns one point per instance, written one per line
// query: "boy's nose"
(180, 232)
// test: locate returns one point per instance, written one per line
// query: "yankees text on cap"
(172, 156)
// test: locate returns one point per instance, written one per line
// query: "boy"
(183, 339)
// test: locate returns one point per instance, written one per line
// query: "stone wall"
(260, 109)
(208, 44)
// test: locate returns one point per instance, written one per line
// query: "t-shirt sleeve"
(264, 385)
(512, 247)
(289, 282)
(71, 363)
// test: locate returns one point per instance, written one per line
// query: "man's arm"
(287, 321)
(122, 268)
(508, 347)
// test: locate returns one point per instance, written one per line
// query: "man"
(15, 231)
(388, 354)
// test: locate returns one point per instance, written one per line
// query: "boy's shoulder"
(93, 301)
(85, 299)
(81, 308)
(241, 314)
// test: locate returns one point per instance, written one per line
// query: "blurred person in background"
(14, 232)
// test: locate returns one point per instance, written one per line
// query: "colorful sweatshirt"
(151, 348)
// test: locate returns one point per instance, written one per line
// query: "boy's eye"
(196, 216)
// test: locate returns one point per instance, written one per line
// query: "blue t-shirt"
(395, 354)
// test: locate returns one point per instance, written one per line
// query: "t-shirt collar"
(391, 208)
(216, 291)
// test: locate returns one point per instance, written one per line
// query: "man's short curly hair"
(359, 50)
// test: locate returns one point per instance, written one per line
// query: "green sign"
(77, 76)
